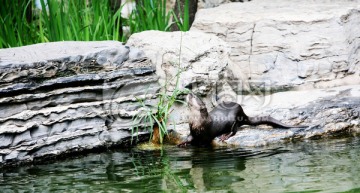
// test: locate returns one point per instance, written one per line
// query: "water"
(331, 165)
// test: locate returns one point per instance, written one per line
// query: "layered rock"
(69, 96)
(66, 97)
(326, 112)
(310, 44)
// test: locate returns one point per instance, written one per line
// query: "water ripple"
(310, 166)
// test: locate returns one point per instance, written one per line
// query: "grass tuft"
(158, 121)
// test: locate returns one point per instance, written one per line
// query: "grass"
(14, 28)
(80, 20)
(183, 20)
(150, 15)
(159, 120)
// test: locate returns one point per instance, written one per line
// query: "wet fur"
(223, 120)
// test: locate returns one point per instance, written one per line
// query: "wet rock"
(66, 97)
(326, 112)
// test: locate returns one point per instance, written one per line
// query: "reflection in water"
(313, 166)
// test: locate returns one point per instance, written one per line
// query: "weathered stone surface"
(204, 4)
(327, 112)
(203, 57)
(310, 44)
(70, 96)
(283, 106)
(210, 3)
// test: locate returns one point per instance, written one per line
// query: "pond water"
(331, 165)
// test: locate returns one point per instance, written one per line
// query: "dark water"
(331, 165)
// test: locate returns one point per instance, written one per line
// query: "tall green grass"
(80, 20)
(15, 30)
(150, 15)
(182, 20)
(59, 20)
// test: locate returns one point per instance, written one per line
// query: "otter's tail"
(270, 121)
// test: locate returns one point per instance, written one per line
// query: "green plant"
(59, 20)
(182, 20)
(81, 20)
(152, 15)
(157, 122)
(160, 118)
(15, 27)
(149, 15)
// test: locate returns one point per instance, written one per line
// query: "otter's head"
(194, 102)
(198, 110)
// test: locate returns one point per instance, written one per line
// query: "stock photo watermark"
(121, 102)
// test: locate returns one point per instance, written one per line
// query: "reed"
(150, 15)
(15, 29)
(183, 19)
(59, 20)
(81, 20)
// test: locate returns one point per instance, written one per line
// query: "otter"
(222, 121)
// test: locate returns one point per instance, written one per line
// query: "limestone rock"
(63, 97)
(204, 4)
(312, 44)
(210, 3)
(203, 58)
(326, 112)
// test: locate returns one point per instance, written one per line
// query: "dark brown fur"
(222, 121)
